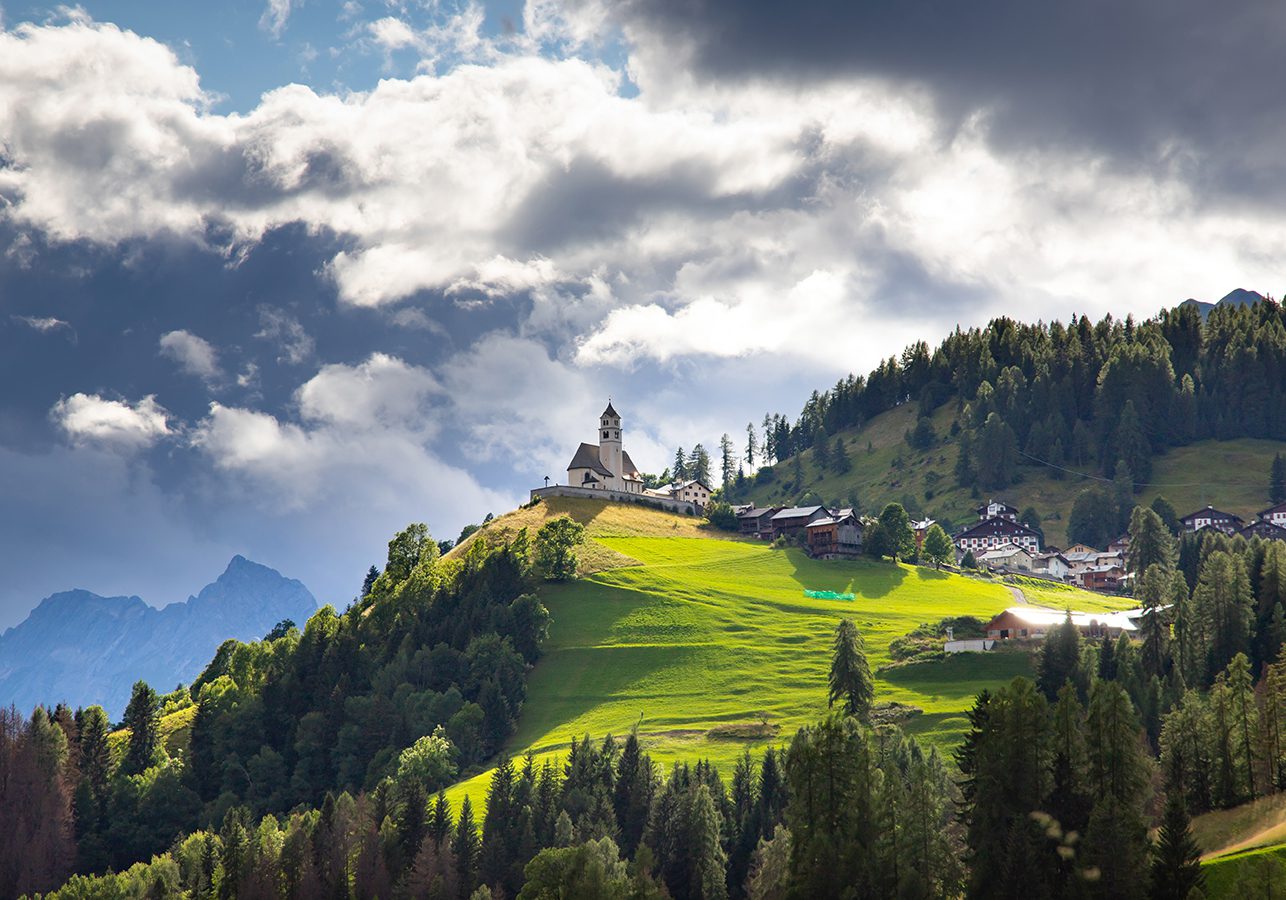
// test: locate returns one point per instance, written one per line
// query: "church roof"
(587, 458)
(611, 411)
(628, 464)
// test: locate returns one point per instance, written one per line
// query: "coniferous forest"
(1106, 396)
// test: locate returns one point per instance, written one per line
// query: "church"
(605, 470)
(605, 465)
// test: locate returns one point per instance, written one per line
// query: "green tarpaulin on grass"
(829, 595)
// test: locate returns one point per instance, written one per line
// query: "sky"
(278, 277)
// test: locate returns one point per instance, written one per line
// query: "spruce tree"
(465, 848)
(1116, 840)
(1151, 543)
(632, 797)
(143, 719)
(707, 860)
(1176, 858)
(850, 678)
(1059, 657)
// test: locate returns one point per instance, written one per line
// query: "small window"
(604, 434)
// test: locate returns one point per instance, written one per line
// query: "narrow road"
(1019, 597)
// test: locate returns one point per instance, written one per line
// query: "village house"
(1121, 546)
(995, 509)
(1034, 623)
(1009, 557)
(1264, 528)
(793, 521)
(920, 529)
(1104, 577)
(757, 522)
(992, 533)
(1209, 517)
(1275, 514)
(1052, 565)
(835, 537)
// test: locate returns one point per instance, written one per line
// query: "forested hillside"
(424, 676)
(1174, 406)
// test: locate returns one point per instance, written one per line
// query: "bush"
(720, 515)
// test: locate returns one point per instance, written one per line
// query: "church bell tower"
(609, 445)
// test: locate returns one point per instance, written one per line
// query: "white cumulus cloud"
(118, 423)
(195, 355)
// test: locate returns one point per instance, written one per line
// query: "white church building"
(605, 471)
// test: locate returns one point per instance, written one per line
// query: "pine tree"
(1176, 858)
(752, 446)
(850, 678)
(1277, 480)
(632, 797)
(440, 824)
(1151, 591)
(1132, 446)
(1116, 840)
(497, 852)
(465, 847)
(699, 465)
(708, 862)
(143, 719)
(1059, 657)
(1151, 543)
(1221, 610)
(727, 462)
(680, 467)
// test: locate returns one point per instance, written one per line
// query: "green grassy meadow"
(1232, 475)
(703, 632)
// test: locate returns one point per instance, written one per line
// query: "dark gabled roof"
(990, 527)
(1211, 513)
(627, 464)
(1280, 507)
(982, 509)
(680, 485)
(760, 512)
(799, 512)
(1265, 529)
(587, 458)
(610, 411)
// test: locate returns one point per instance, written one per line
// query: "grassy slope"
(1232, 475)
(706, 631)
(1244, 846)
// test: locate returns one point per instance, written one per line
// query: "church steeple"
(609, 440)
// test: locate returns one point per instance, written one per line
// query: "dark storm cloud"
(587, 202)
(1143, 80)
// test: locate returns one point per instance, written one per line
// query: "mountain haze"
(80, 648)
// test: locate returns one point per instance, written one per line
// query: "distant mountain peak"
(79, 647)
(1240, 297)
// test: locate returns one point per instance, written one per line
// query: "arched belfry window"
(604, 434)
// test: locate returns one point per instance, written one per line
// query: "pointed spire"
(611, 411)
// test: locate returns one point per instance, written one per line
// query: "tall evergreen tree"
(465, 846)
(1176, 858)
(633, 792)
(1220, 618)
(143, 719)
(699, 465)
(727, 462)
(752, 446)
(850, 678)
(1151, 543)
(1116, 841)
(680, 467)
(1059, 657)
